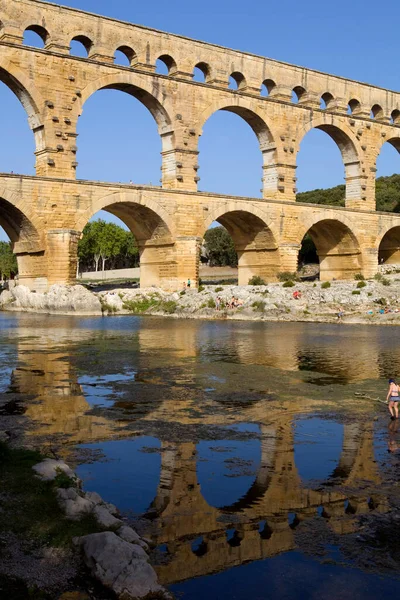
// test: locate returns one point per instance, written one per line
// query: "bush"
(211, 303)
(380, 301)
(141, 305)
(182, 293)
(359, 277)
(378, 276)
(356, 292)
(258, 305)
(168, 306)
(287, 276)
(369, 294)
(288, 283)
(361, 284)
(219, 289)
(326, 285)
(385, 281)
(201, 288)
(256, 280)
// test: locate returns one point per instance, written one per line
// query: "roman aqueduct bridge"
(44, 214)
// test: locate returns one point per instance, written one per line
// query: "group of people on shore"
(234, 302)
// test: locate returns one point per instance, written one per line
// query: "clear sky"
(118, 139)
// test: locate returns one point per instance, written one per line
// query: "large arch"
(254, 240)
(152, 228)
(389, 247)
(152, 98)
(26, 240)
(337, 248)
(262, 130)
(349, 149)
(30, 99)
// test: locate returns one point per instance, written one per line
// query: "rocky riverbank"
(372, 301)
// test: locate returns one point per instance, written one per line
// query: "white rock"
(94, 497)
(117, 565)
(73, 504)
(129, 535)
(49, 468)
(105, 518)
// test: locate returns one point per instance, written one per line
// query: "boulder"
(49, 468)
(118, 566)
(73, 504)
(129, 535)
(105, 518)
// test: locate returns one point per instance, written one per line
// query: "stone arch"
(349, 148)
(18, 221)
(169, 62)
(30, 99)
(389, 246)
(25, 235)
(266, 137)
(354, 106)
(239, 80)
(255, 241)
(128, 52)
(205, 68)
(298, 93)
(395, 116)
(153, 230)
(328, 99)
(131, 83)
(40, 31)
(86, 42)
(337, 246)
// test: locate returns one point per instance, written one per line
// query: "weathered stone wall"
(44, 217)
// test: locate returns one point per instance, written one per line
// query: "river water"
(256, 457)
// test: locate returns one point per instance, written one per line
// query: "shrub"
(211, 303)
(256, 280)
(326, 285)
(219, 289)
(361, 284)
(385, 281)
(168, 306)
(306, 312)
(369, 294)
(201, 288)
(380, 301)
(288, 283)
(378, 276)
(359, 277)
(356, 292)
(108, 308)
(258, 305)
(286, 276)
(182, 293)
(141, 305)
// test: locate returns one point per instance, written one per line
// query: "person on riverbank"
(393, 398)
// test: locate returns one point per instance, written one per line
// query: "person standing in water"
(393, 399)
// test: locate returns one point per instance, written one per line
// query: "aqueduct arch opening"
(26, 244)
(156, 109)
(389, 247)
(265, 139)
(350, 157)
(337, 248)
(254, 242)
(153, 236)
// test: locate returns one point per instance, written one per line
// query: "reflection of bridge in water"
(262, 522)
(202, 539)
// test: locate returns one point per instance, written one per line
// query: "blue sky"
(118, 139)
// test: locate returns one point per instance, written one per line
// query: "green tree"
(8, 261)
(108, 242)
(220, 249)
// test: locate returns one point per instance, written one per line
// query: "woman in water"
(393, 399)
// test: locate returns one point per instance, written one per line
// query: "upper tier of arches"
(57, 26)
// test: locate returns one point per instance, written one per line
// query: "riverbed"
(257, 457)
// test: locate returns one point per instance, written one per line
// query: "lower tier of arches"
(44, 220)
